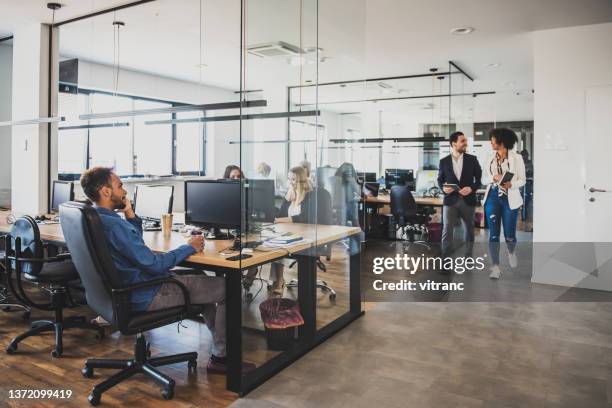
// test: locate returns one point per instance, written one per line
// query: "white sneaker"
(512, 259)
(495, 272)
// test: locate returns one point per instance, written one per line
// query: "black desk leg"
(355, 280)
(307, 296)
(233, 305)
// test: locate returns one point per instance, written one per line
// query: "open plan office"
(305, 203)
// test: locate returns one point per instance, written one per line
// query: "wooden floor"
(34, 366)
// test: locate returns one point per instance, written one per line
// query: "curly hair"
(504, 136)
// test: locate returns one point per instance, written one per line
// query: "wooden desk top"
(385, 199)
(317, 234)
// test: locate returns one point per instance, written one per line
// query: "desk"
(385, 199)
(210, 259)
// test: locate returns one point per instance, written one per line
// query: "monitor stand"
(215, 233)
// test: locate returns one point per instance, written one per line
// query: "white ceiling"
(361, 38)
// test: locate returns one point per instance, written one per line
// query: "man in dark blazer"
(463, 170)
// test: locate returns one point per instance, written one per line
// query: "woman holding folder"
(502, 199)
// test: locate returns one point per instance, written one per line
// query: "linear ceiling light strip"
(32, 121)
(184, 108)
(271, 115)
(96, 126)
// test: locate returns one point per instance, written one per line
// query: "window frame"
(173, 147)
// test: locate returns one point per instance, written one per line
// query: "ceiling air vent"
(274, 49)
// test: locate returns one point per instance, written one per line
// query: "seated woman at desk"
(233, 172)
(298, 206)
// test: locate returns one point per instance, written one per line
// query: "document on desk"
(274, 244)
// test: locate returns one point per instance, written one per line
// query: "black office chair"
(407, 216)
(110, 298)
(5, 296)
(25, 255)
(323, 217)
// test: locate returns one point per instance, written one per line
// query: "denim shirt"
(134, 261)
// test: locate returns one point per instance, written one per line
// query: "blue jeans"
(498, 213)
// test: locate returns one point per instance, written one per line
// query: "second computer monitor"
(260, 200)
(213, 203)
(63, 191)
(399, 177)
(151, 202)
(367, 177)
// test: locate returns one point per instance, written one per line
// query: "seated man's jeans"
(203, 290)
(498, 213)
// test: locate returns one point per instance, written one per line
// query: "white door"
(598, 164)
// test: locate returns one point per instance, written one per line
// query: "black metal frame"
(309, 336)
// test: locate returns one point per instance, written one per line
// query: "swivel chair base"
(142, 363)
(58, 325)
(321, 284)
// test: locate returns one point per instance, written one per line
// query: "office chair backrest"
(403, 204)
(324, 207)
(86, 241)
(26, 229)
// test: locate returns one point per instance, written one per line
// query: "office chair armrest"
(41, 260)
(155, 282)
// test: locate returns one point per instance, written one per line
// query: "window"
(111, 146)
(136, 149)
(72, 144)
(189, 145)
(151, 140)
(307, 150)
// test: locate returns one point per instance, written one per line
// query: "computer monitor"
(425, 180)
(399, 177)
(63, 191)
(366, 177)
(260, 199)
(213, 203)
(151, 201)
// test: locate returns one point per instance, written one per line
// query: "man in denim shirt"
(136, 263)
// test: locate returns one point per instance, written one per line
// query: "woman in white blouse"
(502, 202)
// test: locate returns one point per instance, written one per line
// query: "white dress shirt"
(457, 165)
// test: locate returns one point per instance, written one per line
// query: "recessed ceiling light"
(462, 30)
(493, 65)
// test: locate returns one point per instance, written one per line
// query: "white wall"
(29, 142)
(567, 62)
(6, 78)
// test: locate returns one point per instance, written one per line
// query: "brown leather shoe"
(217, 365)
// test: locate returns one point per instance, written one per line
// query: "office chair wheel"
(11, 349)
(87, 372)
(94, 398)
(192, 365)
(168, 393)
(332, 296)
(57, 353)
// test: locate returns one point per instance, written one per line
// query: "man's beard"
(117, 202)
(462, 149)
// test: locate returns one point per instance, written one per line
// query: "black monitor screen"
(260, 199)
(399, 177)
(153, 201)
(367, 177)
(63, 191)
(213, 203)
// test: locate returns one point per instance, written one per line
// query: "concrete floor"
(458, 355)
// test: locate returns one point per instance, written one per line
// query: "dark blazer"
(470, 177)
